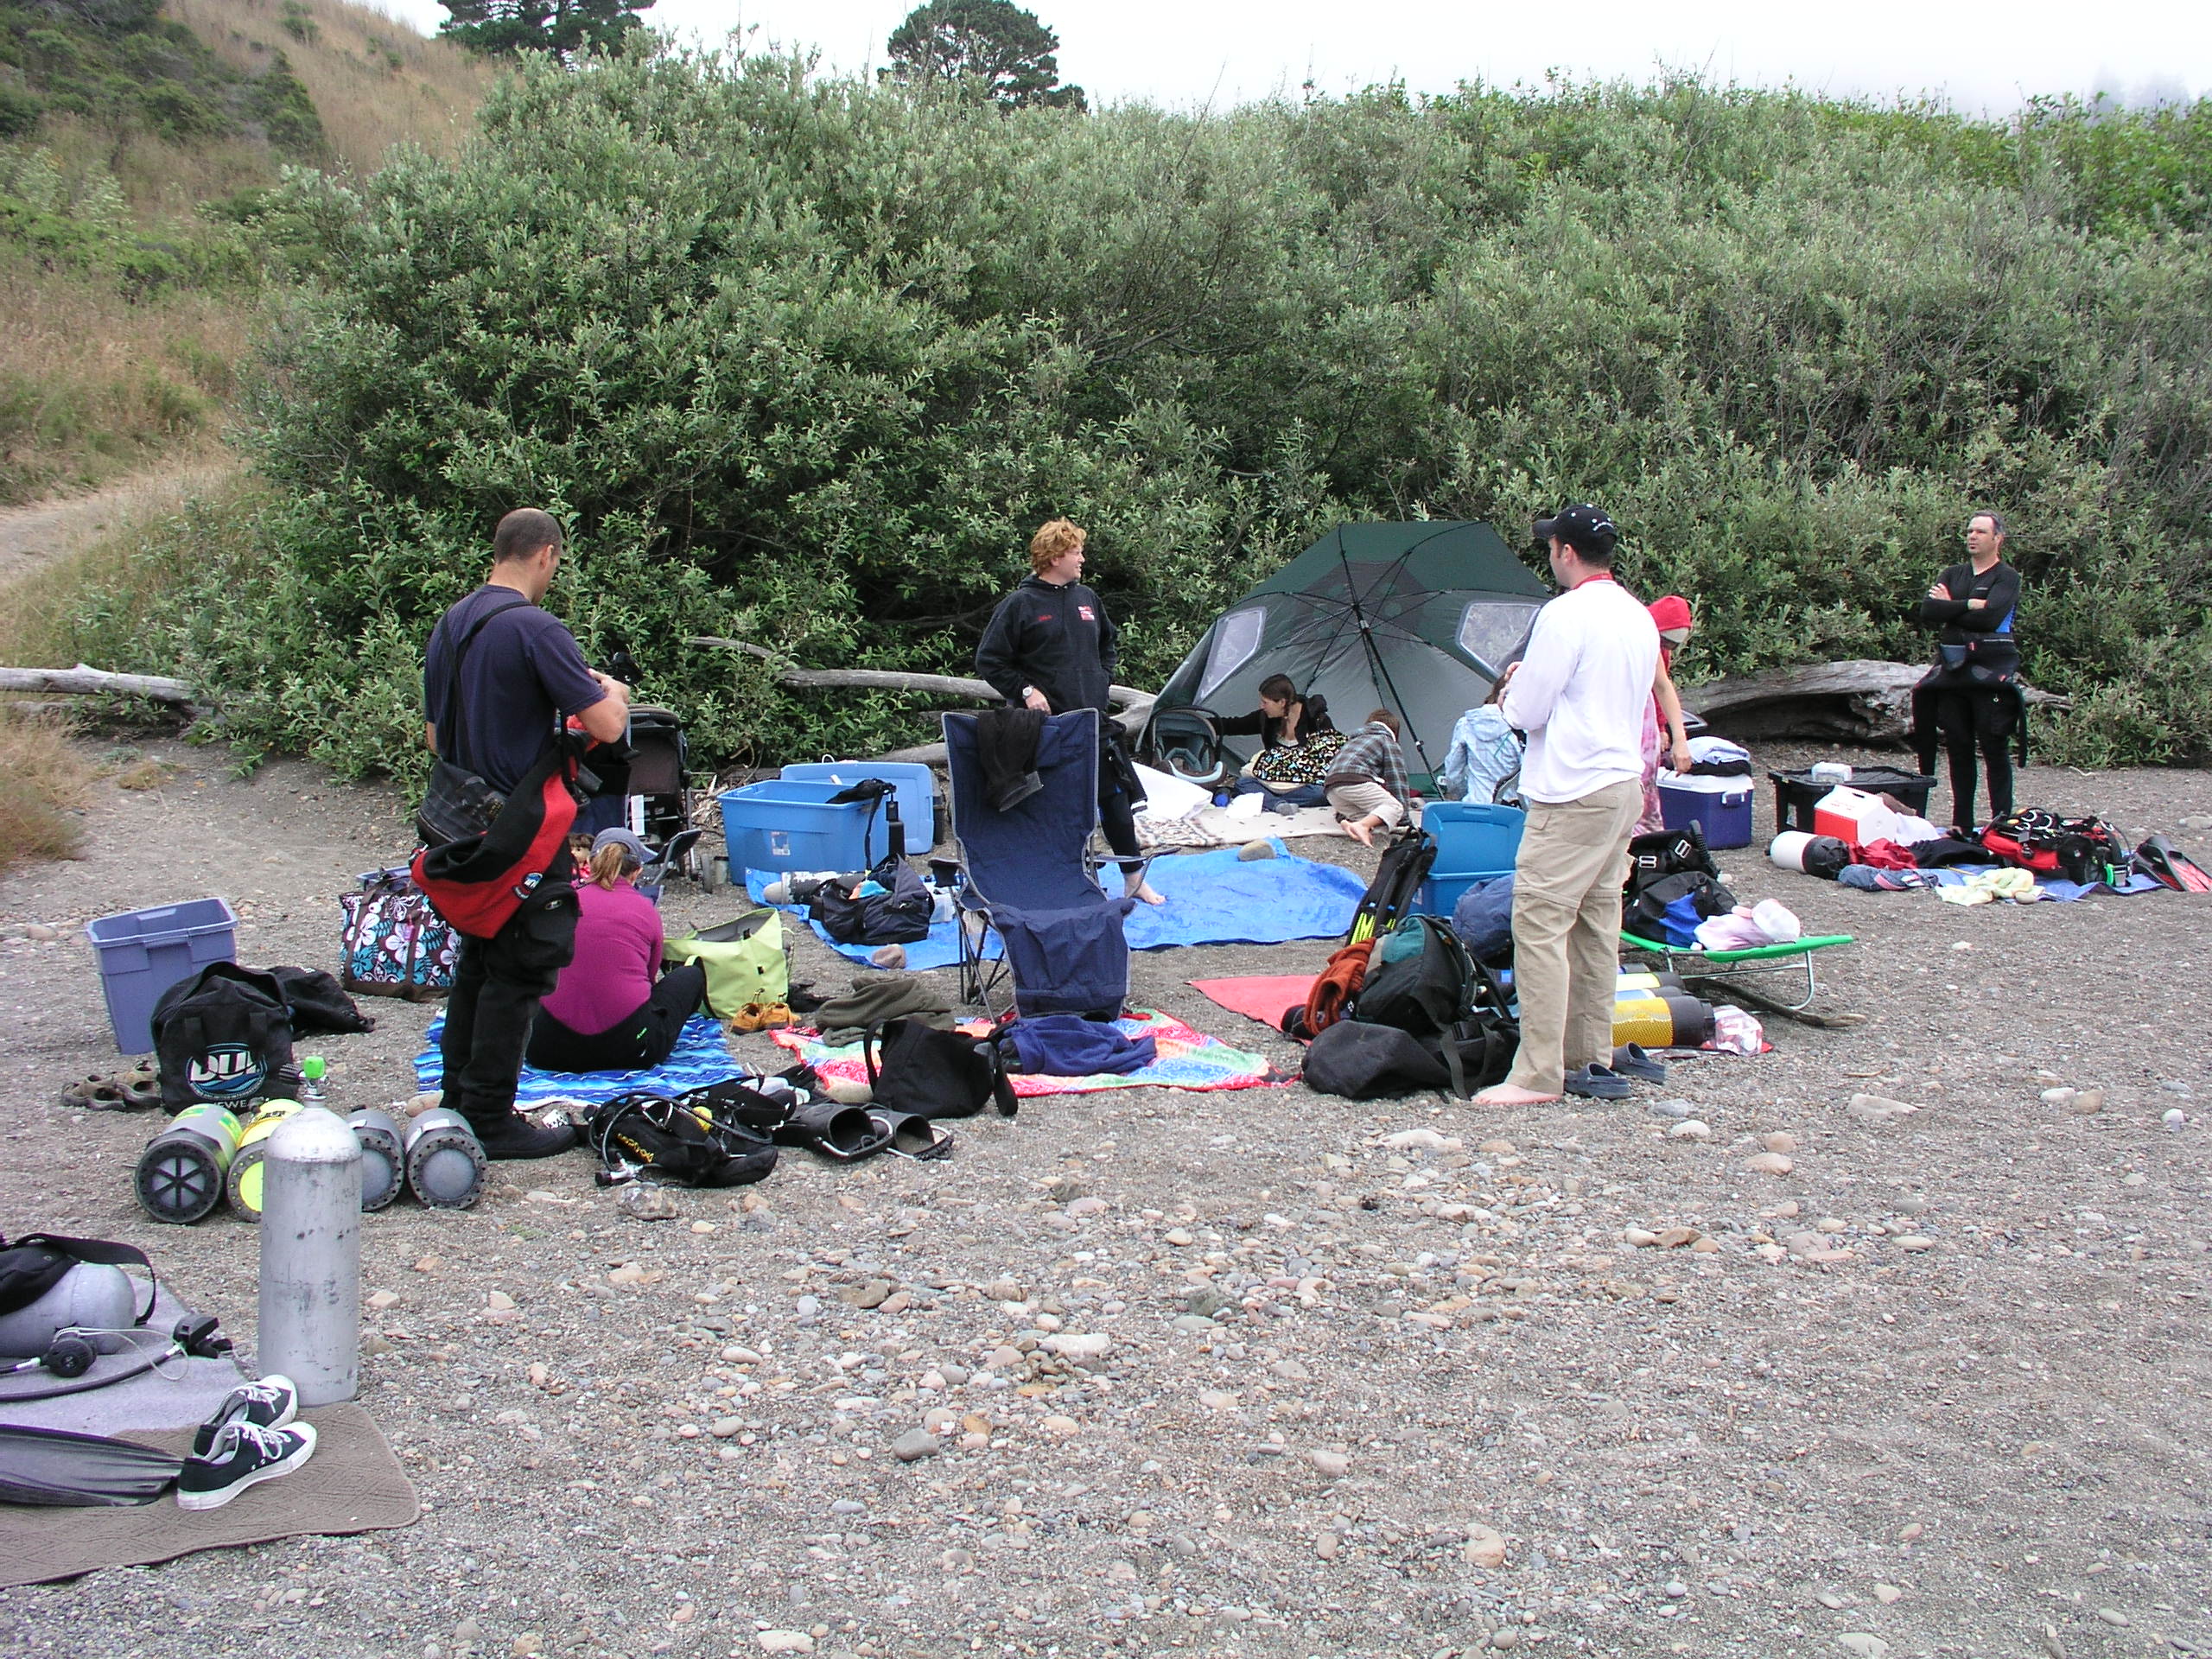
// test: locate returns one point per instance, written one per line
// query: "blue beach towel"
(698, 1058)
(1212, 899)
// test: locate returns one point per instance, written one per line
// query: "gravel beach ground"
(1258, 1372)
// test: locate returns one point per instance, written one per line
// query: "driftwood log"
(1861, 701)
(84, 681)
(1136, 704)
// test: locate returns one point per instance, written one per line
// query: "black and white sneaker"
(271, 1403)
(241, 1456)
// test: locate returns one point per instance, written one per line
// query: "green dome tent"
(1415, 618)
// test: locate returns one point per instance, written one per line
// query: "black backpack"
(1662, 853)
(224, 1036)
(1420, 979)
(1647, 914)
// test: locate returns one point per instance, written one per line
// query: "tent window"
(1493, 629)
(1236, 640)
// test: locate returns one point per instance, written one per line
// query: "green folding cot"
(1742, 970)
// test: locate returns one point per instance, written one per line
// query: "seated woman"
(1297, 742)
(1367, 781)
(1485, 755)
(606, 1014)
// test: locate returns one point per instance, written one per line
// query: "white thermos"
(311, 1256)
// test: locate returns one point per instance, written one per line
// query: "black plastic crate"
(1795, 793)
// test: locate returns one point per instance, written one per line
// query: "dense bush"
(804, 360)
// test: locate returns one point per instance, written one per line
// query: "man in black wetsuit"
(499, 676)
(1050, 646)
(1971, 697)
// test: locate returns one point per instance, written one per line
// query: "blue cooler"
(788, 823)
(1724, 814)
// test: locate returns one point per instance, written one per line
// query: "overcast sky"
(1982, 55)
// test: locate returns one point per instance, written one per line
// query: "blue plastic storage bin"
(916, 783)
(1439, 892)
(142, 952)
(1473, 835)
(1726, 817)
(788, 823)
(1475, 841)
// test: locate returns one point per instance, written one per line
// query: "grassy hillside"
(132, 137)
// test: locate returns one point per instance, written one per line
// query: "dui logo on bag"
(226, 1071)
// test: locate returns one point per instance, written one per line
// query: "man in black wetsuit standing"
(1050, 646)
(1971, 697)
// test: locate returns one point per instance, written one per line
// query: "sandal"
(909, 1134)
(141, 1084)
(1597, 1082)
(844, 1135)
(95, 1093)
(1630, 1061)
(121, 1091)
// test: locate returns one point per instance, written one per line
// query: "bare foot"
(1357, 830)
(1144, 893)
(1506, 1094)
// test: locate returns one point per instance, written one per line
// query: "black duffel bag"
(1359, 1060)
(897, 915)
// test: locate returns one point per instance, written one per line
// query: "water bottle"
(311, 1255)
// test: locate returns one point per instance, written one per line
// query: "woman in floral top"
(1297, 743)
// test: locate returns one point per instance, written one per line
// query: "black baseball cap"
(1582, 527)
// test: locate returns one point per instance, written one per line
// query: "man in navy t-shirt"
(520, 676)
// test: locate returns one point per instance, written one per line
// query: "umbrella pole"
(1377, 666)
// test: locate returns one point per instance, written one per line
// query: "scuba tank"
(245, 1184)
(383, 1168)
(310, 1327)
(445, 1160)
(183, 1171)
(1661, 1018)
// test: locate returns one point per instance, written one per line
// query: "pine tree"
(563, 28)
(993, 41)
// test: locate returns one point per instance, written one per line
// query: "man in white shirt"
(1578, 692)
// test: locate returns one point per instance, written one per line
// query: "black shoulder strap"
(101, 1253)
(1003, 1095)
(450, 744)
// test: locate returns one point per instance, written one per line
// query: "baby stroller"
(648, 794)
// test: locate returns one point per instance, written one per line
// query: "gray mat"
(352, 1484)
(183, 1393)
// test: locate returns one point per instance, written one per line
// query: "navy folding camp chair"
(1027, 877)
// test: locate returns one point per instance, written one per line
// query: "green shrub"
(20, 111)
(802, 361)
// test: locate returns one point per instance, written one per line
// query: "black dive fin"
(52, 1467)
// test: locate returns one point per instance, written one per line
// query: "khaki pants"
(1566, 924)
(1359, 800)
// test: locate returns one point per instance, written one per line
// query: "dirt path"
(35, 536)
(1939, 1388)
